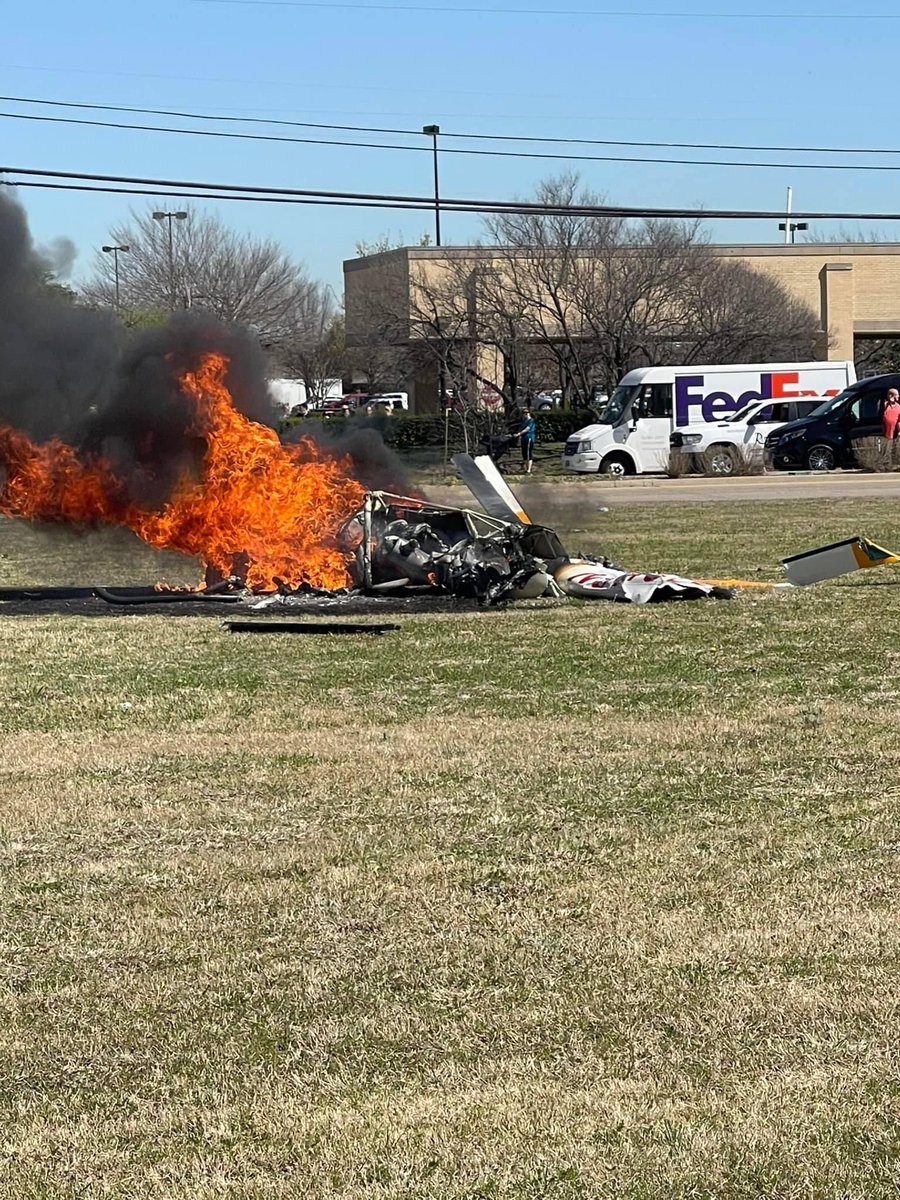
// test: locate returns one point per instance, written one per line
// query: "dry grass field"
(563, 901)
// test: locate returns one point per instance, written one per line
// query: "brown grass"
(567, 901)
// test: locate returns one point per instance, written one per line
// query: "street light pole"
(790, 227)
(115, 251)
(433, 131)
(170, 217)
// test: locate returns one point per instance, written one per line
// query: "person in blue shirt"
(525, 434)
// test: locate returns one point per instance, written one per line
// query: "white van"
(632, 433)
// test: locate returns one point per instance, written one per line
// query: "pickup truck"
(725, 447)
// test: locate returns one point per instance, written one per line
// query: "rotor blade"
(487, 485)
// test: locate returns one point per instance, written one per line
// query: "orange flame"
(275, 508)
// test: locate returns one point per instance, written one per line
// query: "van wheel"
(720, 460)
(820, 458)
(617, 465)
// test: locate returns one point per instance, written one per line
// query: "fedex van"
(634, 426)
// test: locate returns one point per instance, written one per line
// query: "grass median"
(562, 900)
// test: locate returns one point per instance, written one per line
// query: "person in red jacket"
(891, 414)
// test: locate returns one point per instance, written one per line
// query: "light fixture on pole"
(432, 131)
(115, 251)
(170, 217)
(790, 228)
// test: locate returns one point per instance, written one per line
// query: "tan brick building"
(854, 288)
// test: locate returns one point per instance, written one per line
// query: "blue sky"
(722, 77)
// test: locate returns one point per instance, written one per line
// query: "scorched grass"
(558, 901)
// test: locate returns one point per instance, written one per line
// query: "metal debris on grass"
(838, 558)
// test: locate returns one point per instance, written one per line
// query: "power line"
(214, 133)
(561, 12)
(483, 137)
(195, 116)
(201, 190)
(268, 137)
(173, 195)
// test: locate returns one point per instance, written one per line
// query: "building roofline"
(725, 249)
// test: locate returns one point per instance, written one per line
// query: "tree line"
(569, 302)
(573, 302)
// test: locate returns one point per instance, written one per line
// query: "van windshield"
(615, 408)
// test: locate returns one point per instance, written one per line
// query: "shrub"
(414, 431)
(557, 425)
(407, 431)
(678, 465)
(876, 454)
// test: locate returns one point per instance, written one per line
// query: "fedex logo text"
(716, 405)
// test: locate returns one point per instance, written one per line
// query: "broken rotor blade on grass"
(838, 558)
(309, 627)
(152, 596)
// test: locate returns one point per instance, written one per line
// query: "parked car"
(824, 440)
(723, 447)
(395, 401)
(545, 401)
(342, 405)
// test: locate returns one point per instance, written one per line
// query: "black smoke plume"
(375, 465)
(143, 428)
(57, 361)
(77, 374)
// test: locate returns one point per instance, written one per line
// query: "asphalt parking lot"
(661, 490)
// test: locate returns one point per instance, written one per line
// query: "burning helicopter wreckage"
(292, 523)
(402, 543)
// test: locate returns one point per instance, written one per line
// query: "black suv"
(824, 440)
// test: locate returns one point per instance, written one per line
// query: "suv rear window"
(805, 407)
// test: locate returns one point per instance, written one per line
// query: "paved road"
(838, 485)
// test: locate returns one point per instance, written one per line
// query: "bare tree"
(844, 234)
(239, 278)
(575, 300)
(737, 314)
(312, 346)
(386, 242)
(602, 295)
